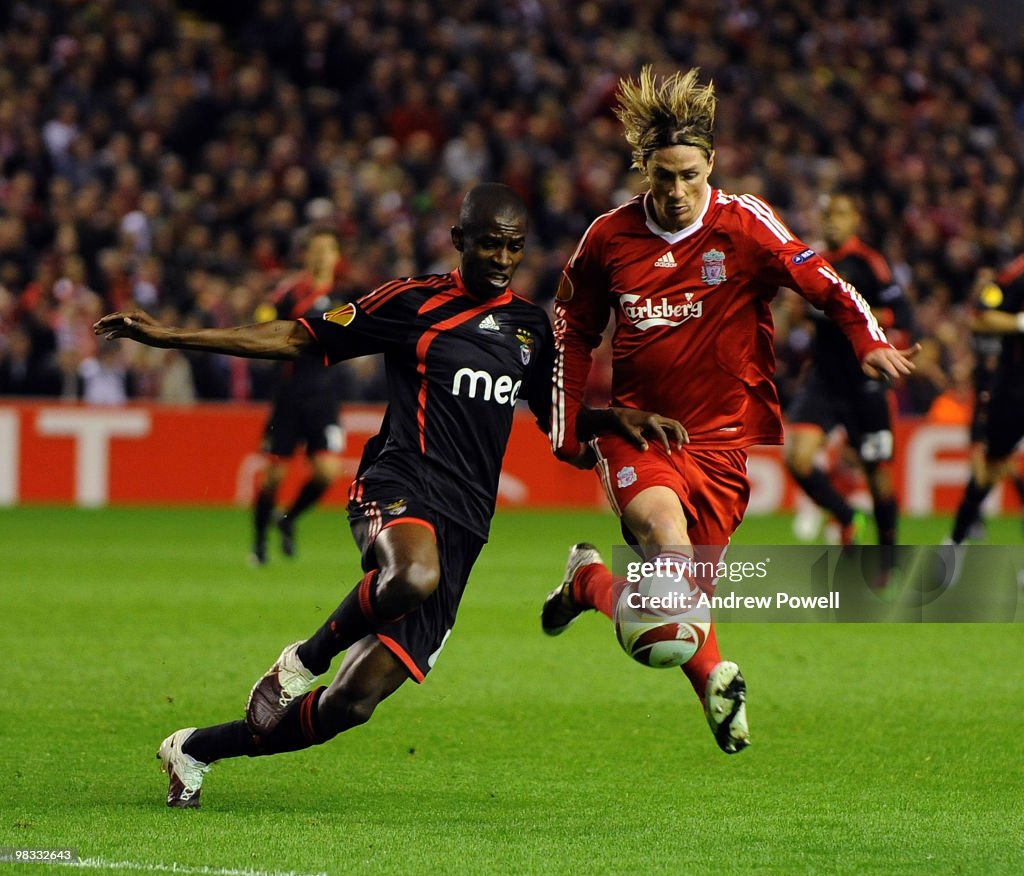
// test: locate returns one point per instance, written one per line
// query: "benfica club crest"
(525, 345)
(396, 508)
(712, 269)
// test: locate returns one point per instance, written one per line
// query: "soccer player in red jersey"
(689, 272)
(460, 349)
(837, 392)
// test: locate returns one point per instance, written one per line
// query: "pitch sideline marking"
(99, 863)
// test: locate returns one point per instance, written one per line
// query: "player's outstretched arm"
(997, 322)
(278, 339)
(888, 363)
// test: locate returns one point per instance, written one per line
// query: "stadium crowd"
(157, 158)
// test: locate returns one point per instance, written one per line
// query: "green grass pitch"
(877, 748)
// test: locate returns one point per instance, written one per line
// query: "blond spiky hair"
(677, 111)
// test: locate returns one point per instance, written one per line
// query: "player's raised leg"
(408, 572)
(588, 584)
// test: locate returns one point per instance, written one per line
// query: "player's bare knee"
(644, 530)
(326, 471)
(661, 528)
(408, 584)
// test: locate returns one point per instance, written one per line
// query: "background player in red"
(305, 406)
(836, 392)
(689, 272)
(460, 349)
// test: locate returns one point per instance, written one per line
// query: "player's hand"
(889, 364)
(636, 426)
(125, 324)
(585, 459)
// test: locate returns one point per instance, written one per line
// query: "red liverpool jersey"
(694, 337)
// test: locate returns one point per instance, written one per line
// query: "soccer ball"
(663, 631)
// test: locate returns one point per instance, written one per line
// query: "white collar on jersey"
(676, 236)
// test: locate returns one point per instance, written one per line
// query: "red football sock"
(595, 587)
(699, 666)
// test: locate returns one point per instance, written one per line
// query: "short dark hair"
(485, 201)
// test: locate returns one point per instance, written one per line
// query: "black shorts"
(1005, 424)
(310, 420)
(417, 639)
(863, 411)
(979, 417)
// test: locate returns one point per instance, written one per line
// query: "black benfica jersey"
(865, 269)
(456, 366)
(1007, 294)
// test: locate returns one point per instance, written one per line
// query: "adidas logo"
(490, 324)
(666, 261)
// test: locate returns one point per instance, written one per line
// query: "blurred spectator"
(105, 377)
(21, 371)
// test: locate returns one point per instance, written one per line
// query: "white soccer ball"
(661, 623)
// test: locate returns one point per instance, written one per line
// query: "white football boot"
(560, 610)
(725, 704)
(184, 772)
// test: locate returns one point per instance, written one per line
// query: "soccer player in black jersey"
(999, 416)
(836, 390)
(460, 349)
(305, 404)
(987, 353)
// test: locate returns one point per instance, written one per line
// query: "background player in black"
(1000, 422)
(460, 349)
(305, 404)
(987, 350)
(837, 392)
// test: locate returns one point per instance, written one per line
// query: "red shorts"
(712, 485)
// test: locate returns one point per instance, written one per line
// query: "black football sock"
(819, 488)
(970, 508)
(885, 519)
(308, 496)
(208, 744)
(356, 617)
(262, 512)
